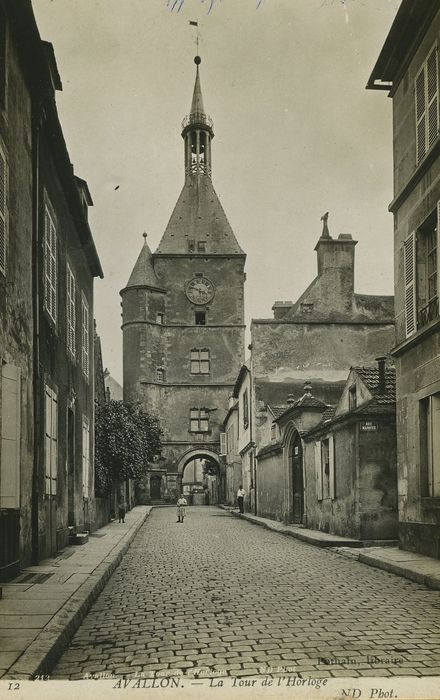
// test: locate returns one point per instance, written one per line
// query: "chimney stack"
(381, 365)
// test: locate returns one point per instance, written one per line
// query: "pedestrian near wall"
(122, 509)
(241, 493)
(181, 508)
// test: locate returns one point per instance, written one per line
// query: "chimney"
(381, 366)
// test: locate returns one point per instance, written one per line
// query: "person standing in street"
(241, 493)
(181, 508)
(122, 509)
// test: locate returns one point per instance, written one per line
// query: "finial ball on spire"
(197, 60)
(145, 234)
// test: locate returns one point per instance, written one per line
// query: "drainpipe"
(36, 116)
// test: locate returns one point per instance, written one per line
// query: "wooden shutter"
(318, 470)
(438, 253)
(51, 441)
(331, 458)
(432, 96)
(222, 443)
(409, 276)
(50, 265)
(434, 444)
(85, 456)
(420, 89)
(3, 212)
(71, 311)
(85, 338)
(10, 437)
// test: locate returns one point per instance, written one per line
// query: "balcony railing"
(428, 313)
(197, 119)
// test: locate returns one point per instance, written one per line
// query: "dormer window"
(273, 431)
(352, 398)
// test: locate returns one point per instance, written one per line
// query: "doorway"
(70, 467)
(296, 465)
(155, 487)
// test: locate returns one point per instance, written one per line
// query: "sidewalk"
(38, 619)
(415, 567)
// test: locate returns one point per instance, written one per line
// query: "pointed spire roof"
(143, 274)
(197, 100)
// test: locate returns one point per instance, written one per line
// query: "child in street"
(181, 506)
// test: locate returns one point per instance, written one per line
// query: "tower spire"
(197, 133)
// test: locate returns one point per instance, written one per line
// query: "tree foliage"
(126, 439)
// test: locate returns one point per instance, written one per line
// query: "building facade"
(183, 319)
(314, 340)
(48, 262)
(408, 69)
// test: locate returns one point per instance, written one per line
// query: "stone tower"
(183, 319)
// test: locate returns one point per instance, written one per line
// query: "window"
(51, 441)
(325, 468)
(421, 270)
(352, 398)
(430, 445)
(10, 422)
(71, 312)
(191, 246)
(201, 246)
(200, 361)
(3, 211)
(85, 342)
(223, 448)
(273, 431)
(245, 409)
(199, 420)
(230, 440)
(426, 99)
(160, 374)
(50, 265)
(200, 318)
(160, 317)
(85, 456)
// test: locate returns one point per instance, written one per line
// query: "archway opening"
(200, 481)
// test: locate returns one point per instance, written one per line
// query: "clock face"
(200, 290)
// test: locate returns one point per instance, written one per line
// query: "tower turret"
(197, 133)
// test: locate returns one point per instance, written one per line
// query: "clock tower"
(183, 320)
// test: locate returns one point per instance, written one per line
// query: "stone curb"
(428, 580)
(413, 575)
(42, 654)
(303, 537)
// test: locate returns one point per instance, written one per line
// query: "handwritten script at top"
(176, 5)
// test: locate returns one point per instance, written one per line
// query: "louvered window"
(71, 312)
(85, 455)
(51, 441)
(50, 266)
(409, 258)
(427, 105)
(3, 212)
(85, 338)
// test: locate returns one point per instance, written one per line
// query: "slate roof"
(278, 410)
(370, 377)
(143, 274)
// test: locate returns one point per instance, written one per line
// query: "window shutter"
(432, 96)
(434, 445)
(10, 437)
(438, 252)
(85, 456)
(222, 443)
(47, 438)
(318, 470)
(3, 212)
(409, 269)
(331, 456)
(85, 339)
(54, 445)
(420, 115)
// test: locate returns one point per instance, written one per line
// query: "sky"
(296, 133)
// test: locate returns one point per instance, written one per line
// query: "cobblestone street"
(220, 595)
